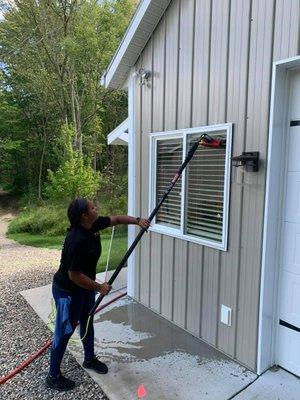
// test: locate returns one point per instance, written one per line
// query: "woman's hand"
(143, 223)
(104, 288)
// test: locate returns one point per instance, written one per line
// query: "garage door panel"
(289, 349)
(293, 158)
(289, 285)
(290, 295)
(292, 208)
(291, 248)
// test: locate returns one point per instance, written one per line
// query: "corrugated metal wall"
(211, 63)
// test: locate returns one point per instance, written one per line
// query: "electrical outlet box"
(226, 313)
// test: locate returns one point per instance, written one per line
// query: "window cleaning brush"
(208, 141)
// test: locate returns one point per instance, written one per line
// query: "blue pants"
(78, 306)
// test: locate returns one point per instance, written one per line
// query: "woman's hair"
(78, 207)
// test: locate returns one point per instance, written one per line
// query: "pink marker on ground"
(141, 391)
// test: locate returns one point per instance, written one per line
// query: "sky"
(3, 5)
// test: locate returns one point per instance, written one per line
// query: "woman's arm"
(127, 220)
(87, 283)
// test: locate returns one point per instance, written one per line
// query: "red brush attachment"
(208, 141)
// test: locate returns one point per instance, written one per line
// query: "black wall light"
(248, 160)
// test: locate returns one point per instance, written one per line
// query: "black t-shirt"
(81, 252)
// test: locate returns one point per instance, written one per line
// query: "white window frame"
(183, 133)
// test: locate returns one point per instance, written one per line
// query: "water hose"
(45, 347)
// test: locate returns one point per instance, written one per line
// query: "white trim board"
(119, 136)
(131, 182)
(266, 356)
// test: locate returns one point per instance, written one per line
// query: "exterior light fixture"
(248, 160)
(144, 76)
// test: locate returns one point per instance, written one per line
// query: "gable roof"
(143, 23)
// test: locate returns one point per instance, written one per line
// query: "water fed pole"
(205, 140)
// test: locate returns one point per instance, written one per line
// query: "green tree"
(75, 177)
(52, 56)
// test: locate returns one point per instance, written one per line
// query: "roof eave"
(143, 23)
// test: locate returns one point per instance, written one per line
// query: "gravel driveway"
(22, 332)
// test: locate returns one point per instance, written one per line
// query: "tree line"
(54, 113)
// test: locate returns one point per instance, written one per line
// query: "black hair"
(78, 207)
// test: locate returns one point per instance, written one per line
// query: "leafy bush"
(49, 220)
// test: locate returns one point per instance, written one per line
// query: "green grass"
(119, 246)
(50, 242)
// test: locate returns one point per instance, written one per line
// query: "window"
(197, 207)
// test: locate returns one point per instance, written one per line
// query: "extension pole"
(152, 215)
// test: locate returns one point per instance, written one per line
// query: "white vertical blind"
(169, 159)
(205, 179)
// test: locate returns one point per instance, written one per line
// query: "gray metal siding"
(201, 63)
(211, 63)
(171, 65)
(185, 58)
(237, 89)
(260, 57)
(286, 39)
(194, 288)
(179, 282)
(155, 273)
(167, 274)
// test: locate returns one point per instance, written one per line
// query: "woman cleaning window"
(74, 286)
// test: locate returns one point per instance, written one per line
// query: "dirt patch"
(8, 203)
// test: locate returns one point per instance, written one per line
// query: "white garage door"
(289, 294)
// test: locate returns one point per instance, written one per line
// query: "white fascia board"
(137, 22)
(119, 136)
(126, 83)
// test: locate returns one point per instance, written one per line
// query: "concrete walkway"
(275, 384)
(141, 347)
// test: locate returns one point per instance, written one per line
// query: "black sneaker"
(60, 383)
(96, 365)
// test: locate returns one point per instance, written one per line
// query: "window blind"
(205, 192)
(169, 159)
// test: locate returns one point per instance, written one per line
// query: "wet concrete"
(162, 337)
(141, 347)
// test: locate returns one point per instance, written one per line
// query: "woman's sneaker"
(60, 383)
(95, 365)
